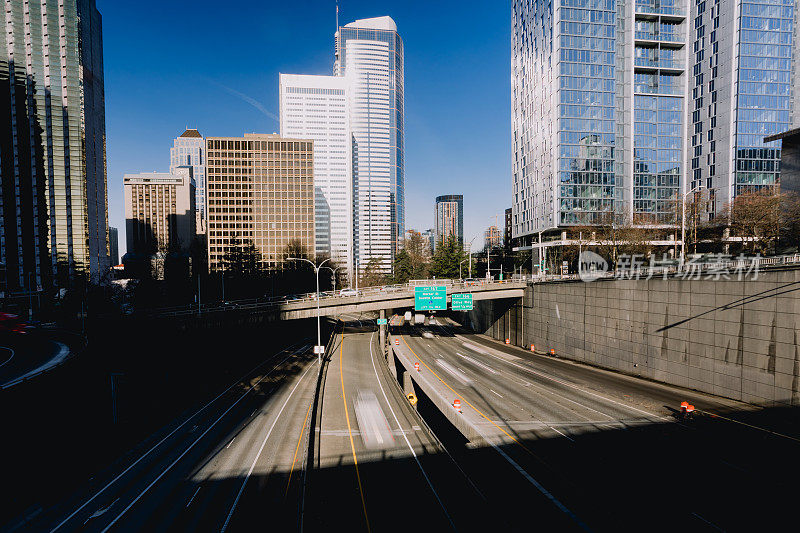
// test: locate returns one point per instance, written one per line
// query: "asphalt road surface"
(24, 355)
(604, 449)
(213, 470)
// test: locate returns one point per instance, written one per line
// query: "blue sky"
(174, 64)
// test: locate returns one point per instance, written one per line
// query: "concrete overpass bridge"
(368, 299)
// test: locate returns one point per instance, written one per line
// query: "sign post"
(462, 302)
(430, 298)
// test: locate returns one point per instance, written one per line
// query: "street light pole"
(316, 271)
(333, 270)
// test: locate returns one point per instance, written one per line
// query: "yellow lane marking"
(465, 400)
(350, 432)
(302, 428)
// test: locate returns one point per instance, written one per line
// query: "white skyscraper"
(369, 55)
(189, 150)
(316, 107)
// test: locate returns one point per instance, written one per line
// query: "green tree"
(413, 259)
(447, 258)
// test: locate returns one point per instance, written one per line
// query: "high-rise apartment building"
(113, 245)
(369, 54)
(625, 107)
(316, 108)
(159, 211)
(449, 218)
(54, 203)
(189, 150)
(260, 190)
(742, 89)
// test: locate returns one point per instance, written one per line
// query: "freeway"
(26, 355)
(378, 467)
(216, 468)
(604, 449)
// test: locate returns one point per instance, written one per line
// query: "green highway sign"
(381, 321)
(462, 302)
(430, 298)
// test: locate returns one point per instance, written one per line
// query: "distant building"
(54, 199)
(316, 108)
(260, 190)
(113, 245)
(449, 218)
(430, 234)
(159, 211)
(790, 159)
(493, 238)
(189, 150)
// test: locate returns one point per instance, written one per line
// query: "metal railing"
(300, 301)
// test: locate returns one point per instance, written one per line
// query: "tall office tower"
(159, 211)
(54, 204)
(493, 237)
(189, 150)
(598, 112)
(430, 236)
(315, 107)
(113, 245)
(260, 190)
(449, 217)
(742, 90)
(369, 54)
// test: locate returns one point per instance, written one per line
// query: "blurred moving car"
(348, 292)
(11, 323)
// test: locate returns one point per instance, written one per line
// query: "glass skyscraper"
(369, 53)
(54, 204)
(622, 107)
(449, 218)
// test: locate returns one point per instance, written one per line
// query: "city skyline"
(249, 98)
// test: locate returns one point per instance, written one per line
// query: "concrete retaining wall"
(732, 338)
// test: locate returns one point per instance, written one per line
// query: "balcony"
(650, 62)
(658, 36)
(659, 8)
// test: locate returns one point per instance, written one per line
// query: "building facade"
(449, 218)
(260, 190)
(508, 229)
(316, 108)
(493, 237)
(159, 212)
(113, 245)
(369, 54)
(189, 150)
(742, 90)
(54, 202)
(620, 109)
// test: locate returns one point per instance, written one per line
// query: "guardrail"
(272, 303)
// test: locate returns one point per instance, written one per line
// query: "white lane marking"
(99, 492)
(57, 359)
(453, 371)
(10, 357)
(712, 524)
(261, 449)
(478, 363)
(231, 442)
(192, 445)
(657, 417)
(427, 479)
(193, 496)
(496, 392)
(101, 511)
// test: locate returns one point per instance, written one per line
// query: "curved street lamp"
(316, 271)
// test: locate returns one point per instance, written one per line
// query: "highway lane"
(215, 456)
(378, 467)
(605, 445)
